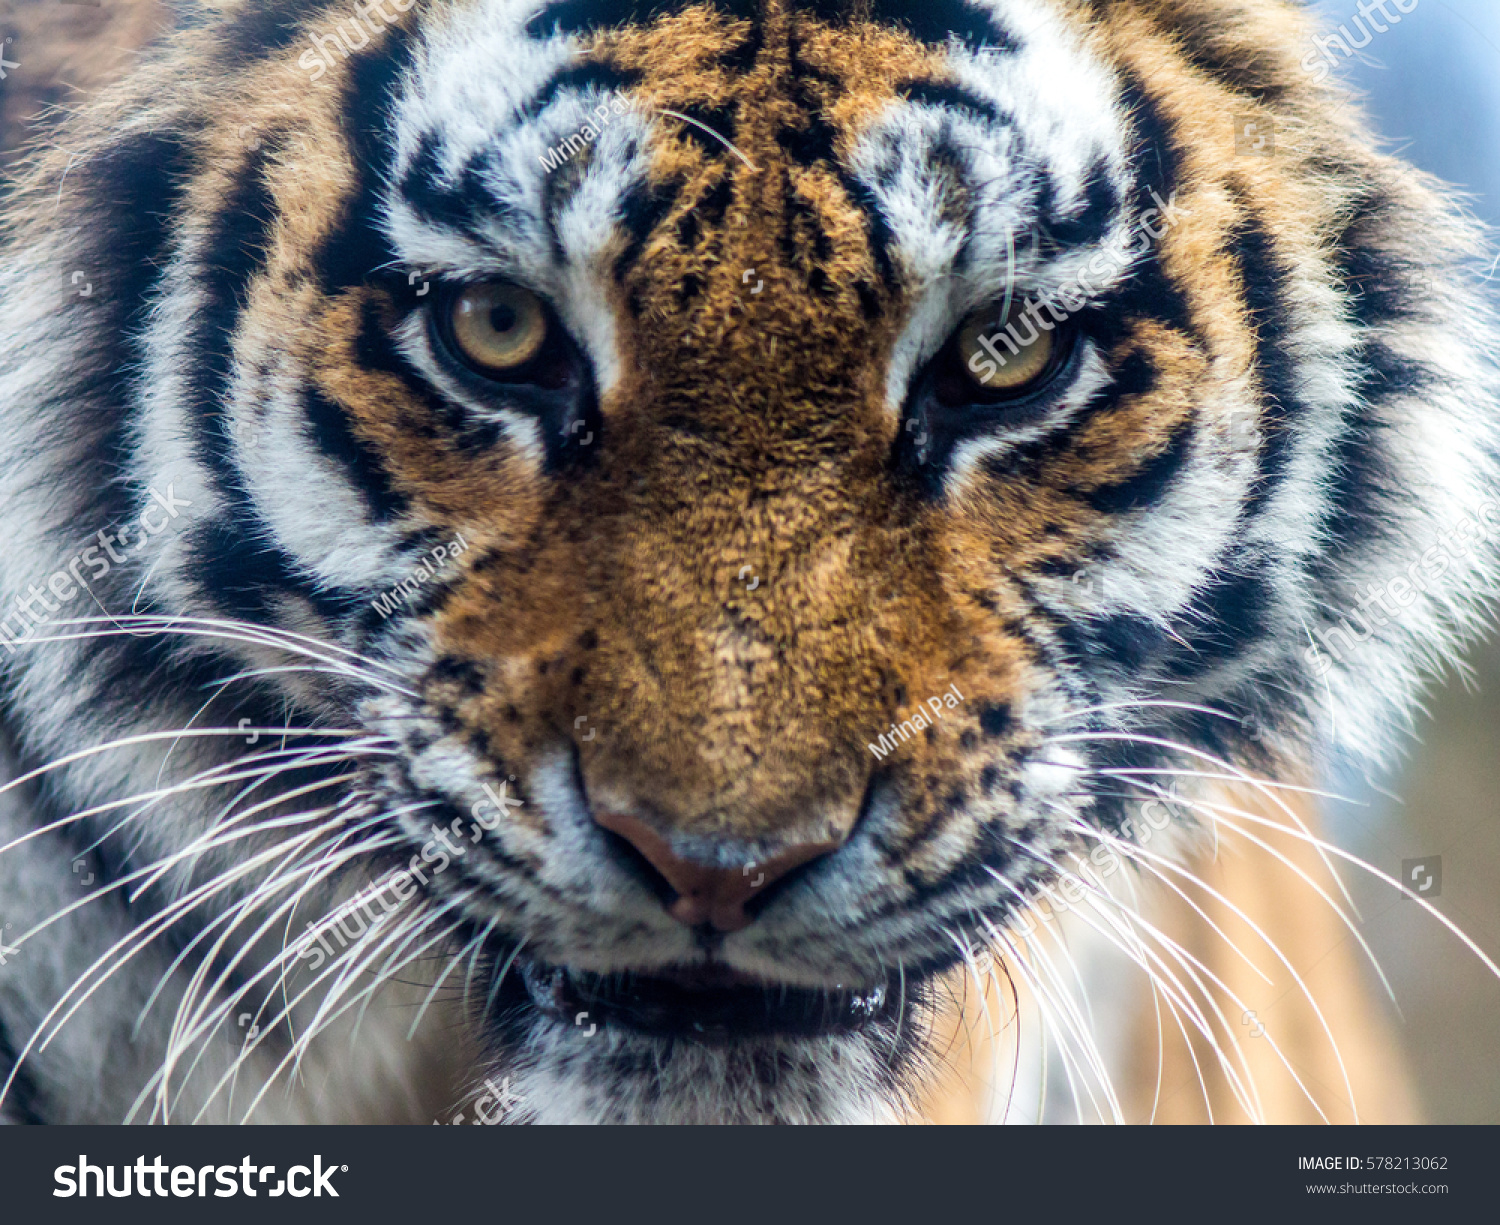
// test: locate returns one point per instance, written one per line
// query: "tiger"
(585, 560)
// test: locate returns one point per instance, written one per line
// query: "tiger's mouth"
(707, 1003)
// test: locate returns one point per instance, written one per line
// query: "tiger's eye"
(498, 327)
(1005, 356)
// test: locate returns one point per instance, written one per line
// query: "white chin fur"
(619, 1077)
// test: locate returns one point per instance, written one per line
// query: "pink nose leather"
(707, 895)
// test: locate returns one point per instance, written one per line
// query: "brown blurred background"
(62, 53)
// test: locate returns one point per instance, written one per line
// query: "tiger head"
(762, 484)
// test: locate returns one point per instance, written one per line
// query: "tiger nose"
(708, 894)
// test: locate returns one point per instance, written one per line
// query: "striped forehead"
(534, 144)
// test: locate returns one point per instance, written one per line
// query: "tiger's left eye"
(497, 328)
(1006, 356)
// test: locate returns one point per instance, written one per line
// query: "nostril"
(697, 893)
(627, 853)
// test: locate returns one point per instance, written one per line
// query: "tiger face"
(768, 482)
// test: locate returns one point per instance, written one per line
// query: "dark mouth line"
(708, 1003)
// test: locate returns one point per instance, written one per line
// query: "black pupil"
(503, 318)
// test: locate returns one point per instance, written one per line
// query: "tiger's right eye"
(496, 327)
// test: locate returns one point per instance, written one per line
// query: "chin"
(702, 1044)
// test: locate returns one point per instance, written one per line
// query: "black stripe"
(643, 208)
(1137, 376)
(741, 56)
(1263, 276)
(714, 203)
(440, 418)
(358, 245)
(1064, 658)
(947, 96)
(1242, 736)
(581, 16)
(457, 199)
(329, 430)
(232, 255)
(1155, 155)
(1147, 293)
(374, 351)
(240, 570)
(1218, 47)
(265, 27)
(1363, 487)
(1149, 484)
(580, 77)
(460, 199)
(877, 230)
(133, 190)
(930, 21)
(720, 119)
(803, 240)
(1101, 205)
(23, 1104)
(1131, 642)
(234, 553)
(428, 189)
(993, 851)
(1229, 614)
(1154, 151)
(1381, 288)
(941, 816)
